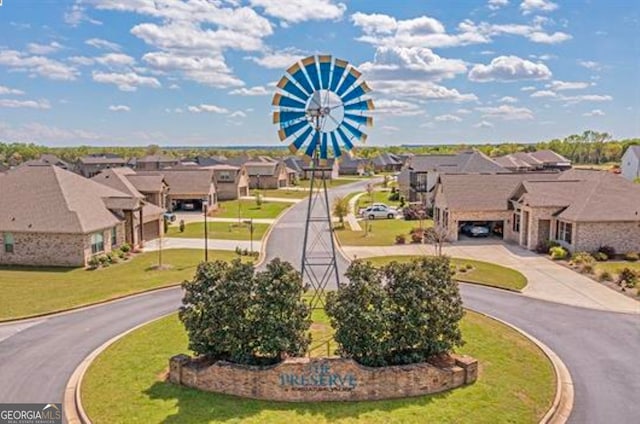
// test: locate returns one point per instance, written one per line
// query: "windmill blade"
(324, 62)
(346, 140)
(285, 84)
(311, 148)
(323, 150)
(334, 143)
(359, 119)
(358, 91)
(356, 132)
(283, 101)
(338, 70)
(286, 132)
(297, 74)
(309, 64)
(361, 105)
(349, 79)
(285, 118)
(299, 141)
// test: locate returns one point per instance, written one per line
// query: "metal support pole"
(206, 232)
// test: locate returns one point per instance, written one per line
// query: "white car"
(379, 210)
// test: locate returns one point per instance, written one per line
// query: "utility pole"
(205, 205)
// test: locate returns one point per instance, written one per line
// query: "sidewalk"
(546, 279)
(351, 216)
(213, 244)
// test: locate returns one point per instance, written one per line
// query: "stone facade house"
(630, 163)
(387, 162)
(153, 187)
(188, 188)
(88, 166)
(53, 217)
(352, 166)
(267, 175)
(155, 162)
(232, 182)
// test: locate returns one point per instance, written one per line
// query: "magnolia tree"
(232, 313)
(397, 314)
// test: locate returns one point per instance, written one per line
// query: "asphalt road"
(599, 348)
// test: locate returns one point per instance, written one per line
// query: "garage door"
(151, 230)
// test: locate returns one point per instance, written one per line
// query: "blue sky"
(198, 72)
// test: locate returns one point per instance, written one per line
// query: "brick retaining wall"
(322, 379)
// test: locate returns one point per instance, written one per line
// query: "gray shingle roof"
(116, 178)
(147, 183)
(185, 181)
(468, 162)
(93, 160)
(261, 168)
(548, 157)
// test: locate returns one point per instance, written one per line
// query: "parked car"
(379, 210)
(475, 230)
(170, 216)
(188, 206)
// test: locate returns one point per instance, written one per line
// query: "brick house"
(155, 162)
(231, 181)
(88, 166)
(53, 217)
(581, 210)
(188, 188)
(352, 166)
(267, 175)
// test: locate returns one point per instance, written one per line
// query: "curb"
(562, 405)
(72, 403)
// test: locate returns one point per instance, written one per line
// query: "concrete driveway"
(547, 279)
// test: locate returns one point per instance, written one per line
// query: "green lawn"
(484, 273)
(249, 209)
(283, 193)
(381, 196)
(126, 384)
(383, 233)
(614, 267)
(28, 291)
(219, 230)
(330, 183)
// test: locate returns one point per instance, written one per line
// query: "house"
(231, 182)
(387, 162)
(631, 163)
(153, 187)
(50, 159)
(267, 175)
(424, 171)
(211, 160)
(53, 217)
(513, 163)
(189, 189)
(352, 166)
(303, 170)
(89, 166)
(580, 209)
(534, 161)
(155, 162)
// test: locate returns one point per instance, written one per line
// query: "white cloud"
(37, 65)
(10, 91)
(119, 108)
(99, 43)
(35, 48)
(397, 107)
(27, 104)
(295, 11)
(483, 124)
(463, 111)
(279, 60)
(594, 112)
(81, 60)
(508, 99)
(509, 68)
(40, 133)
(506, 112)
(590, 64)
(543, 93)
(176, 110)
(206, 69)
(566, 85)
(528, 88)
(129, 81)
(390, 128)
(529, 6)
(423, 90)
(497, 4)
(411, 63)
(448, 117)
(208, 108)
(238, 114)
(587, 98)
(252, 91)
(174, 87)
(543, 37)
(115, 60)
(375, 23)
(77, 14)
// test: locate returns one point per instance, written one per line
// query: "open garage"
(481, 229)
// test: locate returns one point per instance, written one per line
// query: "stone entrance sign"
(322, 379)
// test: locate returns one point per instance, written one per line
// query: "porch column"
(141, 232)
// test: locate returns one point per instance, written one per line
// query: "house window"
(114, 236)
(97, 243)
(8, 242)
(225, 176)
(516, 222)
(565, 230)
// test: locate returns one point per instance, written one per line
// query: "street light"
(250, 222)
(205, 205)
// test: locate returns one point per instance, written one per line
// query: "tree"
(397, 314)
(230, 313)
(341, 208)
(436, 235)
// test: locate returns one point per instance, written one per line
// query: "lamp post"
(250, 222)
(205, 205)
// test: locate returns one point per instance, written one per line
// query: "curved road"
(600, 348)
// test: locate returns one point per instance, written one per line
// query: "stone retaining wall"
(322, 379)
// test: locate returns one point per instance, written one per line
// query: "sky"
(203, 72)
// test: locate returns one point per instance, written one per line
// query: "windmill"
(321, 107)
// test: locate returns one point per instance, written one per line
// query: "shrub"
(120, 253)
(93, 262)
(601, 256)
(401, 239)
(417, 237)
(579, 258)
(605, 276)
(468, 267)
(104, 260)
(402, 201)
(631, 257)
(628, 278)
(607, 250)
(558, 252)
(259, 200)
(232, 313)
(587, 268)
(165, 225)
(397, 314)
(125, 248)
(545, 246)
(394, 196)
(181, 226)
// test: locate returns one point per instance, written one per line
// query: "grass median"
(383, 232)
(127, 383)
(219, 230)
(249, 209)
(28, 291)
